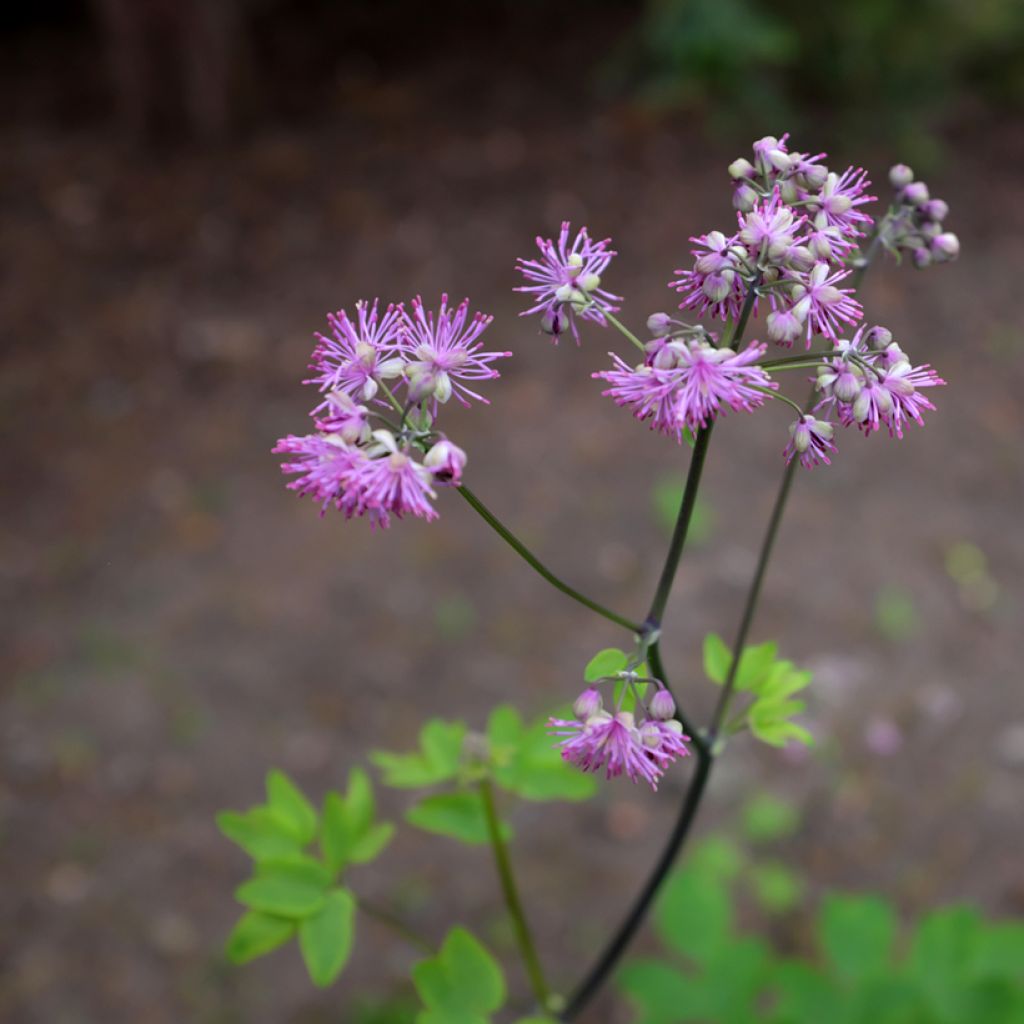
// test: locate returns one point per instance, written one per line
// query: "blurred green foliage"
(876, 68)
(951, 967)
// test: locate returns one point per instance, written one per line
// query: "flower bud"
(587, 704)
(717, 286)
(900, 176)
(784, 326)
(446, 461)
(740, 169)
(800, 258)
(589, 282)
(878, 338)
(422, 381)
(554, 321)
(846, 386)
(575, 260)
(744, 198)
(945, 246)
(916, 194)
(659, 324)
(922, 258)
(789, 191)
(815, 176)
(935, 209)
(663, 707)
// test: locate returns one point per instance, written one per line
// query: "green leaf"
(325, 937)
(291, 806)
(755, 662)
(804, 995)
(783, 680)
(766, 818)
(999, 952)
(296, 867)
(256, 934)
(528, 763)
(605, 663)
(437, 760)
(693, 914)
(944, 946)
(462, 983)
(717, 658)
(372, 843)
(259, 832)
(857, 935)
(456, 815)
(662, 994)
(769, 722)
(280, 895)
(776, 888)
(349, 834)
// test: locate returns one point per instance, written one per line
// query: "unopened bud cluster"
(915, 224)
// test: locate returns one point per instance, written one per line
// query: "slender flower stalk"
(535, 563)
(513, 903)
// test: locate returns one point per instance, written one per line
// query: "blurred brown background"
(187, 188)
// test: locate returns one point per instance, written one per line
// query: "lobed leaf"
(326, 937)
(462, 983)
(457, 815)
(256, 934)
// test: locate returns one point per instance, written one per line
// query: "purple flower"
(840, 197)
(649, 392)
(360, 354)
(443, 350)
(392, 482)
(714, 287)
(610, 742)
(769, 229)
(620, 743)
(342, 416)
(567, 282)
(325, 465)
(823, 306)
(689, 384)
(811, 439)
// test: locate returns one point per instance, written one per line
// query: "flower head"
(811, 439)
(686, 384)
(715, 286)
(360, 353)
(622, 744)
(443, 350)
(566, 282)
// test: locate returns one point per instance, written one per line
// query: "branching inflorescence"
(802, 241)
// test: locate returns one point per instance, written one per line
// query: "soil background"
(175, 623)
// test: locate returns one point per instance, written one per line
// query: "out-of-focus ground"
(175, 622)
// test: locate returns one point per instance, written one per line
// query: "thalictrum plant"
(803, 239)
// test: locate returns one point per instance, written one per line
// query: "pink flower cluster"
(638, 746)
(797, 221)
(382, 377)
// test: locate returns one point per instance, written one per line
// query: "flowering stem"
(615, 322)
(528, 556)
(675, 549)
(511, 894)
(598, 974)
(753, 594)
